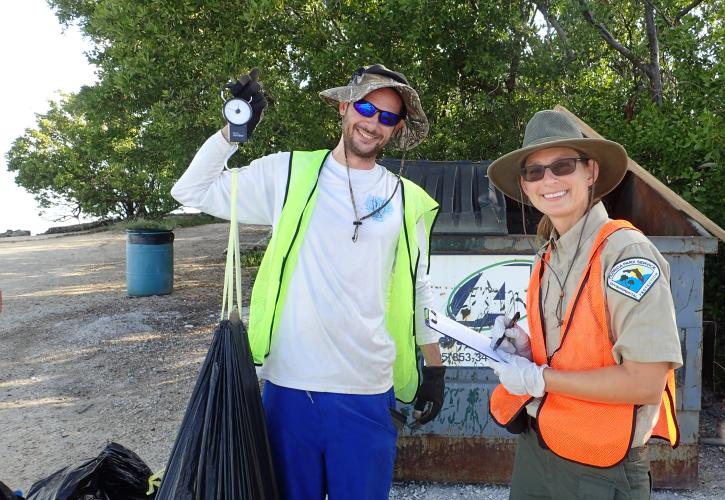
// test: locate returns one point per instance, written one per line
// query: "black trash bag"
(8, 494)
(116, 474)
(222, 450)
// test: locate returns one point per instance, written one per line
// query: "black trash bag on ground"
(8, 494)
(116, 474)
(222, 450)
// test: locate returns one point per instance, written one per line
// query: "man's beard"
(351, 147)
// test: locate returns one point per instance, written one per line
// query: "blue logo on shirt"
(373, 203)
(633, 277)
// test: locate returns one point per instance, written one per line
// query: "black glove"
(430, 394)
(249, 88)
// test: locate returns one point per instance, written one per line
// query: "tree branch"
(654, 52)
(520, 41)
(664, 15)
(544, 9)
(611, 41)
(685, 10)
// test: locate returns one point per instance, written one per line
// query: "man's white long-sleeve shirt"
(332, 335)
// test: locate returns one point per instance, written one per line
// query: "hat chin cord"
(540, 253)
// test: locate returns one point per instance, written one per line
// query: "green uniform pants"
(538, 473)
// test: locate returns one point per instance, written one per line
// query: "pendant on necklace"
(357, 224)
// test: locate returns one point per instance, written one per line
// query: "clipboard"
(463, 334)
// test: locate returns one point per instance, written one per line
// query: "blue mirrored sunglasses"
(368, 109)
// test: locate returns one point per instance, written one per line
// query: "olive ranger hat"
(370, 78)
(554, 129)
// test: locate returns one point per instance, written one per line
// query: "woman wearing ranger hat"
(332, 310)
(594, 380)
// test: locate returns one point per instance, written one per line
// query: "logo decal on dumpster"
(487, 294)
(474, 290)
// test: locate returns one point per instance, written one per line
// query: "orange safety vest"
(595, 434)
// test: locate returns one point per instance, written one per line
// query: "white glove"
(516, 339)
(519, 375)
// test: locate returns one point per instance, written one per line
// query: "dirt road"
(82, 364)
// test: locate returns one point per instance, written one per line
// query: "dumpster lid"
(469, 204)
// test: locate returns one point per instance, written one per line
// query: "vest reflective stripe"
(271, 284)
(596, 434)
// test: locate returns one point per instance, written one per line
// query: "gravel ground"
(82, 364)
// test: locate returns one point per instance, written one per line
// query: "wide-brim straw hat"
(554, 129)
(374, 77)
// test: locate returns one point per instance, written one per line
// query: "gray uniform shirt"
(640, 310)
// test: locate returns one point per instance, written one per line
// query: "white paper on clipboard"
(463, 334)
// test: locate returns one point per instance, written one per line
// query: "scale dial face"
(237, 111)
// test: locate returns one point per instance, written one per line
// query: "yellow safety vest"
(270, 287)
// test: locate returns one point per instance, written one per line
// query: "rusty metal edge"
(490, 460)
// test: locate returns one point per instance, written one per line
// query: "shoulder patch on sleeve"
(633, 277)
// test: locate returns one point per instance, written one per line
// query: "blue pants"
(340, 445)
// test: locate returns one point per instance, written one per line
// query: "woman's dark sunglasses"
(562, 166)
(368, 109)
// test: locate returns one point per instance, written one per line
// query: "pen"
(511, 324)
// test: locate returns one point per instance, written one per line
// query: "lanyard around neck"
(359, 220)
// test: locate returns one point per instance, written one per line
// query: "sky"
(39, 59)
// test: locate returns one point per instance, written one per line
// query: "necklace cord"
(359, 220)
(560, 304)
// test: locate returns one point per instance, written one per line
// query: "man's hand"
(249, 88)
(519, 375)
(430, 394)
(516, 340)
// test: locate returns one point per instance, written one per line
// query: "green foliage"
(167, 223)
(92, 155)
(147, 224)
(190, 220)
(252, 258)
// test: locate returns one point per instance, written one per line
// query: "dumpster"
(481, 259)
(149, 262)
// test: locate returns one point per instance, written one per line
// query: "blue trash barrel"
(149, 262)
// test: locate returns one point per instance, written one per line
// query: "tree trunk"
(653, 68)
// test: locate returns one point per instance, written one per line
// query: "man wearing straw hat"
(336, 309)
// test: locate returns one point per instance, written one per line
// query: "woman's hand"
(516, 340)
(519, 375)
